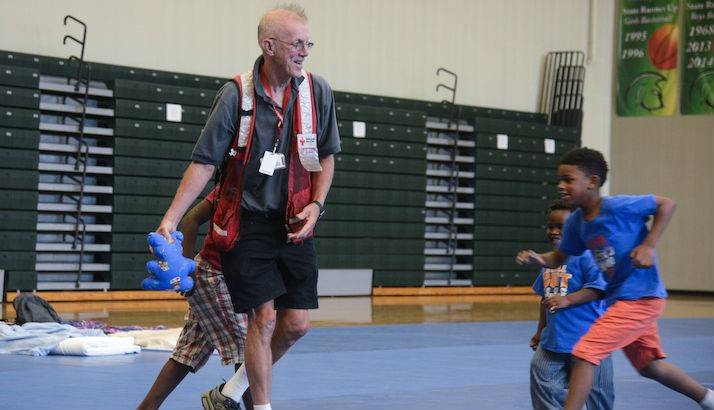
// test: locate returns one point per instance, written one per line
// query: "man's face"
(290, 47)
(573, 184)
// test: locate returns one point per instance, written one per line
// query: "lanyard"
(278, 113)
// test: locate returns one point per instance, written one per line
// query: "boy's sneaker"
(215, 400)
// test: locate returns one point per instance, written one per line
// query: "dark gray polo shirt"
(261, 193)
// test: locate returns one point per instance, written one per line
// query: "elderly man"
(272, 133)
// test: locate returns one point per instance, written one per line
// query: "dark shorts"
(262, 267)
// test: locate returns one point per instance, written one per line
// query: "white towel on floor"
(38, 339)
(96, 346)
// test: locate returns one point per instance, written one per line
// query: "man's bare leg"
(287, 327)
(258, 354)
(292, 324)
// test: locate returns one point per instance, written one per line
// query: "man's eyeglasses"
(297, 45)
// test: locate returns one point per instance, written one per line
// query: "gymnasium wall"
(370, 46)
(674, 157)
(393, 48)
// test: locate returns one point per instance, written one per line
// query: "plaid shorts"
(212, 323)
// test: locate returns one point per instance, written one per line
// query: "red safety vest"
(225, 224)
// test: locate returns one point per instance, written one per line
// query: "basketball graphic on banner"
(662, 47)
(698, 58)
(648, 57)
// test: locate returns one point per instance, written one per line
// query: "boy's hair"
(560, 205)
(590, 161)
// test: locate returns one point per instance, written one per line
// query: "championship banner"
(647, 73)
(698, 58)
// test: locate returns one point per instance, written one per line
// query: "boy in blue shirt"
(580, 280)
(614, 229)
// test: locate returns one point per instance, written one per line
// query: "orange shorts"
(630, 325)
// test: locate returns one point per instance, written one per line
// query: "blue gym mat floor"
(456, 366)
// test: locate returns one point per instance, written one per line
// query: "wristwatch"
(319, 205)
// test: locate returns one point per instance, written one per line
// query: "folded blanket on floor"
(39, 339)
(96, 346)
(106, 328)
(153, 339)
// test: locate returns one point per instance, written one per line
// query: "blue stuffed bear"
(169, 270)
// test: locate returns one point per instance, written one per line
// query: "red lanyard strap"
(278, 113)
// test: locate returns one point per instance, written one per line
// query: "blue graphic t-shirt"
(565, 327)
(611, 236)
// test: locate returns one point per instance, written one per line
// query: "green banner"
(647, 73)
(698, 58)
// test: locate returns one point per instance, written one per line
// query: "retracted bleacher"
(117, 152)
(515, 184)
(152, 147)
(376, 215)
(19, 175)
(416, 199)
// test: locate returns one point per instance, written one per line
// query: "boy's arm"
(584, 295)
(535, 340)
(197, 216)
(643, 255)
(552, 259)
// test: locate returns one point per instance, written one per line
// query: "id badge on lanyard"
(272, 160)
